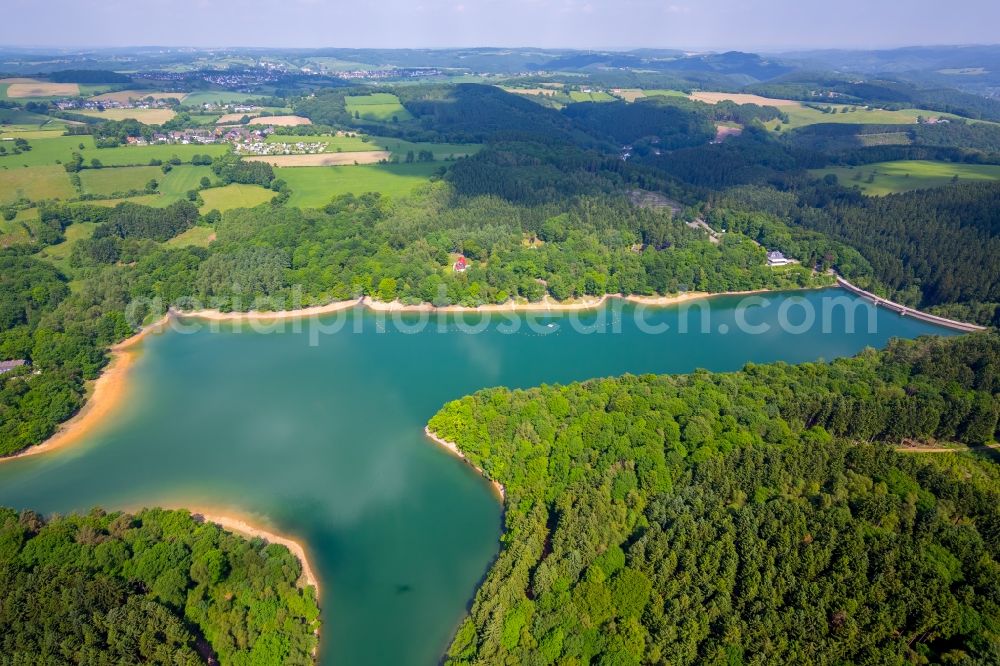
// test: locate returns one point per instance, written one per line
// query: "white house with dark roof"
(776, 258)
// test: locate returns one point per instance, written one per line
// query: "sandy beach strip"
(246, 527)
(262, 315)
(452, 447)
(547, 304)
(109, 389)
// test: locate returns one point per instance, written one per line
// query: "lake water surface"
(325, 441)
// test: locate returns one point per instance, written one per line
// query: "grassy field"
(197, 236)
(441, 151)
(60, 149)
(183, 178)
(112, 180)
(60, 254)
(147, 116)
(315, 186)
(14, 231)
(35, 183)
(632, 94)
(906, 175)
(19, 119)
(234, 196)
(21, 88)
(30, 133)
(217, 97)
(124, 96)
(599, 96)
(377, 106)
(800, 116)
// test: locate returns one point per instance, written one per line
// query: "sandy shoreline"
(547, 304)
(260, 315)
(108, 392)
(453, 448)
(245, 527)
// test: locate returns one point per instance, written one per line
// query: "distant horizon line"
(78, 48)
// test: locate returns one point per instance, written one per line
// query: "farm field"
(172, 185)
(232, 118)
(377, 106)
(632, 94)
(121, 179)
(19, 119)
(800, 116)
(740, 98)
(529, 91)
(217, 97)
(7, 133)
(147, 116)
(314, 187)
(598, 96)
(323, 159)
(196, 236)
(234, 196)
(906, 175)
(61, 148)
(21, 88)
(281, 121)
(35, 183)
(124, 96)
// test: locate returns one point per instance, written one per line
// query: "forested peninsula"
(156, 587)
(758, 516)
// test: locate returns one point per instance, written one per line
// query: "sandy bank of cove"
(108, 391)
(245, 527)
(453, 448)
(547, 304)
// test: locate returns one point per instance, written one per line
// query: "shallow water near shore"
(325, 442)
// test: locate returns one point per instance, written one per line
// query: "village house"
(461, 265)
(776, 258)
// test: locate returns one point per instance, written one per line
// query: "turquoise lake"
(325, 442)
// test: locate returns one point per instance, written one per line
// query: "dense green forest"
(152, 588)
(751, 517)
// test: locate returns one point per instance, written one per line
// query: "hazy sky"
(711, 24)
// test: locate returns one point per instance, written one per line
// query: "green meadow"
(906, 175)
(315, 186)
(35, 183)
(19, 119)
(16, 231)
(234, 196)
(800, 116)
(598, 96)
(172, 185)
(60, 254)
(195, 236)
(60, 149)
(217, 97)
(377, 106)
